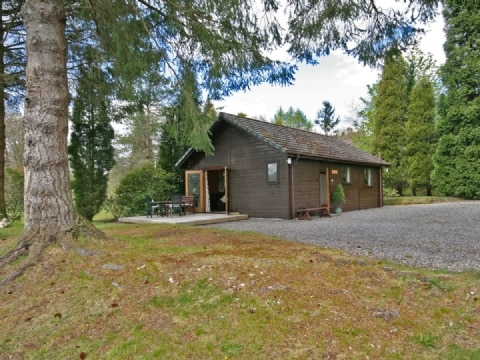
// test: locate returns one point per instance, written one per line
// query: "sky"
(337, 78)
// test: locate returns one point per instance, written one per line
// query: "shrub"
(129, 199)
(338, 196)
(14, 180)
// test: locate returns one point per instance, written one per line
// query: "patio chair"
(151, 206)
(188, 203)
(148, 200)
(176, 204)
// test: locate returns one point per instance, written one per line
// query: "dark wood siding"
(246, 158)
(357, 195)
(306, 183)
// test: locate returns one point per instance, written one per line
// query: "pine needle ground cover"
(173, 292)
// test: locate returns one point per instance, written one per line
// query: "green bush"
(14, 180)
(129, 199)
(338, 196)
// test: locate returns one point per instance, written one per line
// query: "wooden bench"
(188, 203)
(304, 213)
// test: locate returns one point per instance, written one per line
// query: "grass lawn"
(413, 200)
(179, 292)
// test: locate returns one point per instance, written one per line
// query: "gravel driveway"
(440, 236)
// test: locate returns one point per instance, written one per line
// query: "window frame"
(367, 177)
(348, 174)
(274, 177)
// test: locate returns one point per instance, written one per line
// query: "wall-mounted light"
(289, 161)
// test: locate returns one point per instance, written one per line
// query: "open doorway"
(210, 189)
(215, 188)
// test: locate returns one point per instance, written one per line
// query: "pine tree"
(420, 135)
(389, 124)
(91, 151)
(457, 159)
(295, 118)
(176, 133)
(326, 118)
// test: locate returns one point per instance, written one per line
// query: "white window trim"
(348, 177)
(272, 171)
(367, 177)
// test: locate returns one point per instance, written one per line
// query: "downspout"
(292, 187)
(292, 198)
(380, 186)
(327, 179)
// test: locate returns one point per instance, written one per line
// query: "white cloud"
(337, 78)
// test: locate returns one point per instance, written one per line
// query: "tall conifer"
(389, 123)
(326, 117)
(420, 135)
(90, 151)
(457, 159)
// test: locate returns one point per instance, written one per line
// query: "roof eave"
(380, 163)
(184, 157)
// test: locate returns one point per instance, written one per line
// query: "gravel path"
(440, 236)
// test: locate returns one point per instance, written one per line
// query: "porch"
(191, 219)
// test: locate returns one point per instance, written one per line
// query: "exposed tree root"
(34, 252)
(34, 244)
(87, 229)
(14, 254)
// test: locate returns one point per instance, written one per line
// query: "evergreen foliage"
(338, 196)
(147, 180)
(421, 141)
(457, 159)
(177, 136)
(90, 151)
(141, 117)
(390, 118)
(364, 127)
(317, 28)
(292, 118)
(222, 43)
(326, 117)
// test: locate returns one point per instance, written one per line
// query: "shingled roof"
(298, 143)
(301, 143)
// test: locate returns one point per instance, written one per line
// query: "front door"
(324, 188)
(194, 186)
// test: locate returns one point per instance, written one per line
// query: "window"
(345, 173)
(367, 177)
(272, 173)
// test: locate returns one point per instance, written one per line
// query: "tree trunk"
(3, 210)
(429, 191)
(49, 211)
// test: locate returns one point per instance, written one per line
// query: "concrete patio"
(191, 219)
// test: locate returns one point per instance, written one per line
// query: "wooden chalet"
(270, 171)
